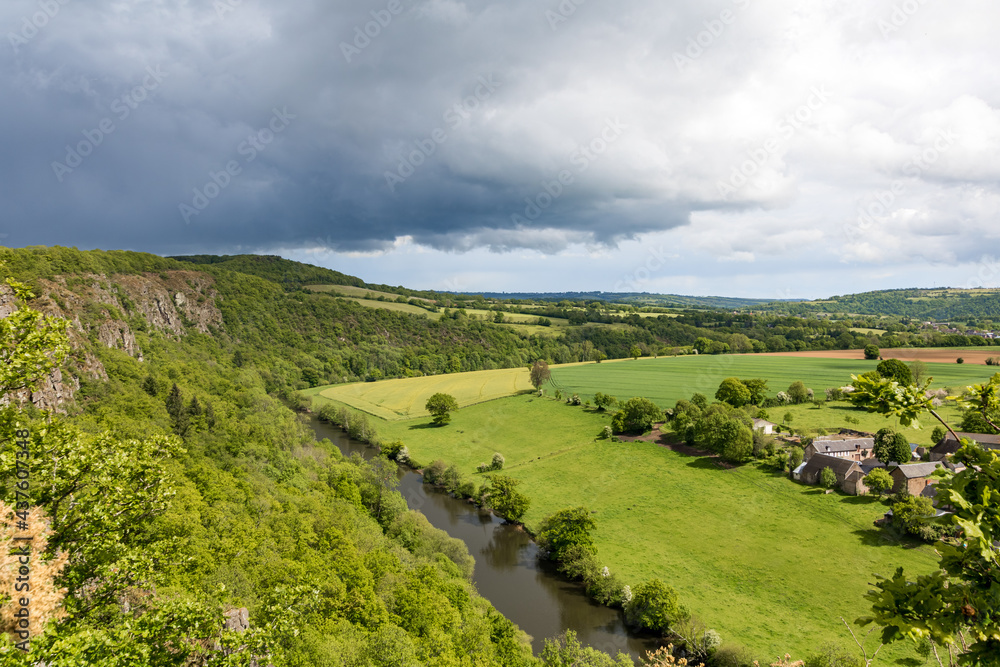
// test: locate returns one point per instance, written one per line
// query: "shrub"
(872, 351)
(498, 461)
(433, 472)
(797, 392)
(783, 398)
(827, 478)
(654, 606)
(960, 360)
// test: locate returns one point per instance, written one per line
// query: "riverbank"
(770, 564)
(508, 572)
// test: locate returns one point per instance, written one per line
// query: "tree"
(872, 351)
(891, 447)
(604, 401)
(757, 388)
(795, 456)
(504, 498)
(540, 374)
(635, 352)
(734, 392)
(739, 447)
(827, 478)
(703, 345)
(655, 607)
(565, 650)
(937, 434)
(918, 371)
(566, 529)
(960, 360)
(31, 344)
(894, 369)
(798, 392)
(179, 417)
(637, 415)
(440, 405)
(879, 481)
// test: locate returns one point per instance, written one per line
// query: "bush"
(827, 478)
(798, 393)
(636, 416)
(960, 360)
(832, 655)
(655, 607)
(872, 351)
(498, 461)
(434, 472)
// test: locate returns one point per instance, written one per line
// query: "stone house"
(853, 449)
(947, 445)
(913, 477)
(849, 473)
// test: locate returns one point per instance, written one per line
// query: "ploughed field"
(769, 563)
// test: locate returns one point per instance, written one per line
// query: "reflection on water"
(508, 573)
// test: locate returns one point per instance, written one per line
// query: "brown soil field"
(941, 355)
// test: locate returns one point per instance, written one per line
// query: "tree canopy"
(440, 406)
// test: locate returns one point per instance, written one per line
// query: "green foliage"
(879, 481)
(654, 607)
(637, 415)
(894, 369)
(827, 478)
(938, 433)
(891, 447)
(540, 373)
(604, 401)
(440, 405)
(564, 530)
(798, 392)
(888, 397)
(503, 498)
(31, 344)
(567, 651)
(910, 513)
(871, 351)
(757, 388)
(733, 392)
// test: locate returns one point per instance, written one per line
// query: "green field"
(405, 398)
(769, 563)
(362, 292)
(667, 379)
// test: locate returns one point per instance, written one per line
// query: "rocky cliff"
(103, 311)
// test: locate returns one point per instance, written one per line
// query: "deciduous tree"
(440, 405)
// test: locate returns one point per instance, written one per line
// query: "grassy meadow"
(666, 379)
(769, 563)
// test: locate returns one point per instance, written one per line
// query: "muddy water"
(507, 572)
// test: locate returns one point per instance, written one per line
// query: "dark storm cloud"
(224, 125)
(153, 126)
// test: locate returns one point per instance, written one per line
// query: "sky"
(769, 149)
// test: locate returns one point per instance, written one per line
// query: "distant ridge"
(636, 298)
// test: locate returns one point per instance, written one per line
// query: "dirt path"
(667, 441)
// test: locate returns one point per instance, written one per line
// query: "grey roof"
(917, 470)
(948, 444)
(870, 464)
(840, 466)
(849, 445)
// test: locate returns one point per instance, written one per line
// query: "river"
(508, 572)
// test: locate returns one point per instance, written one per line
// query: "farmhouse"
(913, 478)
(764, 425)
(853, 449)
(948, 445)
(849, 473)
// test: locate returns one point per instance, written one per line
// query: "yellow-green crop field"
(405, 398)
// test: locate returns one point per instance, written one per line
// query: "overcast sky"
(776, 149)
